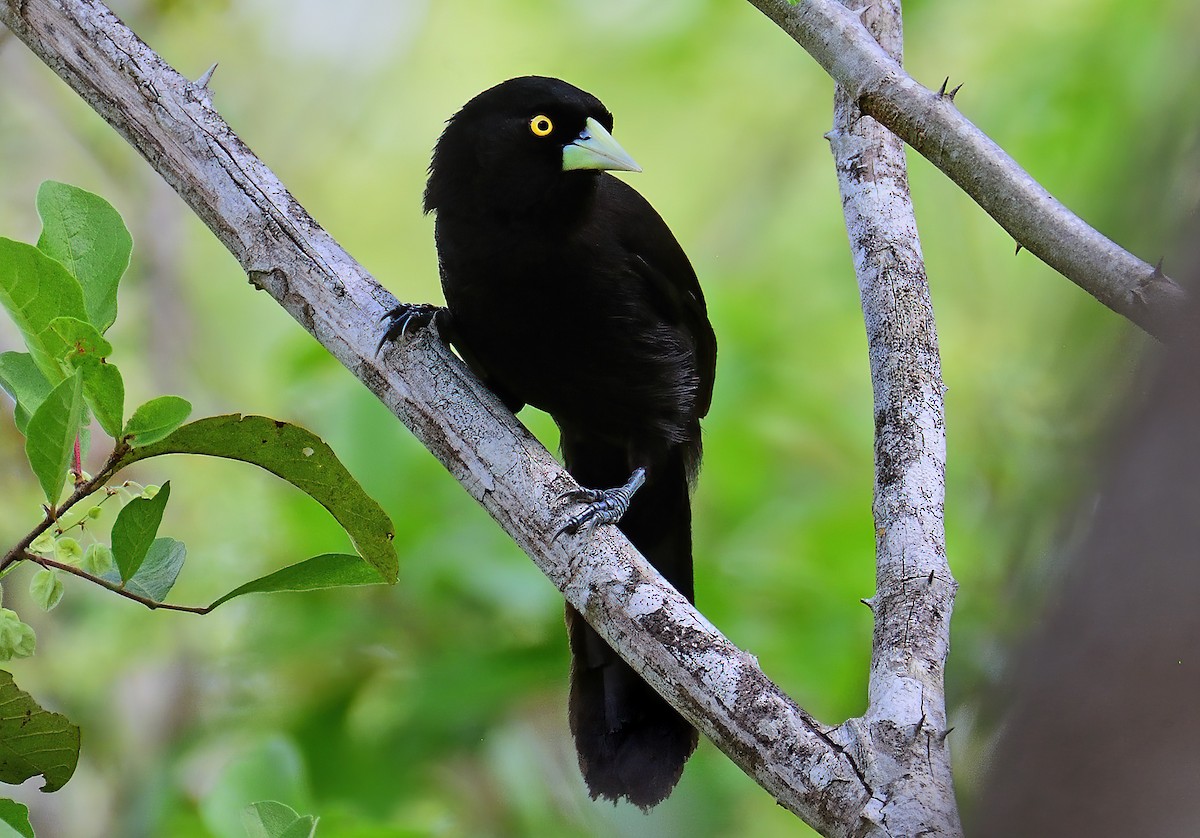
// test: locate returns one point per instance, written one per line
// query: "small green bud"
(98, 559)
(150, 491)
(44, 543)
(95, 512)
(67, 550)
(46, 588)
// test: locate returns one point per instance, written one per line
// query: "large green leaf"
(134, 530)
(33, 740)
(299, 457)
(329, 570)
(25, 383)
(85, 234)
(51, 433)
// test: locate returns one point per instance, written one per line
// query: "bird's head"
(526, 144)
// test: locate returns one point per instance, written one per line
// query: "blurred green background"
(438, 707)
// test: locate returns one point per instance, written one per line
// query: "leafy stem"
(116, 588)
(20, 551)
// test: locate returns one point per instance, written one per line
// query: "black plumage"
(565, 290)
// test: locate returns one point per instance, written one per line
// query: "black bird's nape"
(566, 291)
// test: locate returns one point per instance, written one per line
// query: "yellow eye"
(541, 125)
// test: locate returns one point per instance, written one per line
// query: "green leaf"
(299, 457)
(104, 391)
(46, 589)
(329, 570)
(50, 435)
(24, 383)
(272, 819)
(156, 419)
(157, 575)
(134, 530)
(14, 820)
(35, 289)
(74, 337)
(34, 741)
(85, 234)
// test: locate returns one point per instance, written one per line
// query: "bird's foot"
(406, 316)
(604, 506)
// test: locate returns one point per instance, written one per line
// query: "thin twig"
(118, 589)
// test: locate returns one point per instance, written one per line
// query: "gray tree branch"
(931, 124)
(905, 724)
(172, 123)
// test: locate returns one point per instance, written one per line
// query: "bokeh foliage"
(438, 706)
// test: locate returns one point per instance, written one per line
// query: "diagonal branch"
(171, 122)
(931, 124)
(906, 712)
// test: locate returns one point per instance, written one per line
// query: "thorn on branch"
(869, 602)
(1138, 292)
(942, 736)
(1019, 248)
(207, 77)
(942, 94)
(920, 725)
(931, 575)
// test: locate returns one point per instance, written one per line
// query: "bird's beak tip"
(595, 148)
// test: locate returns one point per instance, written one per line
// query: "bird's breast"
(565, 332)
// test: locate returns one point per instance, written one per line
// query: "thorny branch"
(929, 122)
(913, 790)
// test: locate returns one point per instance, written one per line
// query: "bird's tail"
(631, 742)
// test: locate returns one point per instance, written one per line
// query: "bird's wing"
(656, 257)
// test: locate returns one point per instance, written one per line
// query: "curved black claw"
(604, 506)
(406, 316)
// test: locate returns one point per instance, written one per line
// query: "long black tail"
(631, 743)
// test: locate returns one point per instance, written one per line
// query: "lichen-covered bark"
(899, 744)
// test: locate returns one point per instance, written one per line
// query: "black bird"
(565, 290)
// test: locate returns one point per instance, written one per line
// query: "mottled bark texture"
(901, 741)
